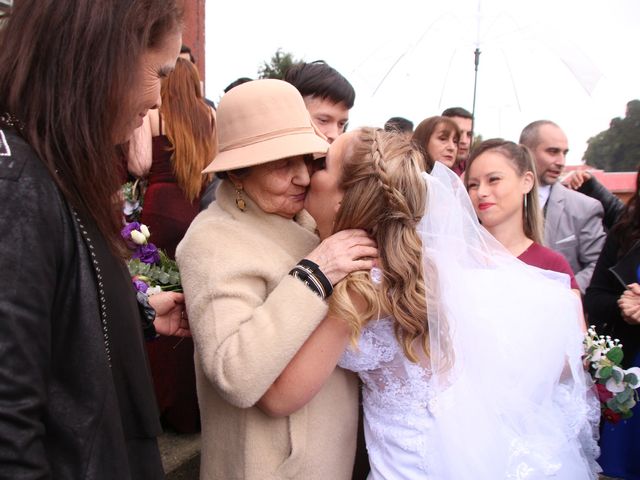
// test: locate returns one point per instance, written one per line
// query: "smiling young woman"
(502, 184)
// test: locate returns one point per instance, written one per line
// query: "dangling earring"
(240, 203)
(525, 207)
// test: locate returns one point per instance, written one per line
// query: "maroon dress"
(168, 214)
(547, 259)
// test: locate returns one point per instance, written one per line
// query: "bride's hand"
(343, 253)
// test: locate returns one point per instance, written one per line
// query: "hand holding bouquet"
(615, 386)
(151, 269)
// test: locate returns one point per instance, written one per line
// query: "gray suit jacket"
(573, 227)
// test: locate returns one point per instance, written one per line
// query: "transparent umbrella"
(501, 61)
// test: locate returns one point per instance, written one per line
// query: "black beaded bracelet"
(322, 278)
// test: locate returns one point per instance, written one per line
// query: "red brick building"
(193, 35)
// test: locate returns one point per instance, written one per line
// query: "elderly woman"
(256, 281)
(77, 77)
(437, 139)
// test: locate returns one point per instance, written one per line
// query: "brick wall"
(193, 34)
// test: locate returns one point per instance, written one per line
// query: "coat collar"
(298, 233)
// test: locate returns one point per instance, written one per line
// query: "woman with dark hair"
(437, 139)
(77, 78)
(612, 302)
(183, 142)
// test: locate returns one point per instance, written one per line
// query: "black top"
(65, 413)
(611, 274)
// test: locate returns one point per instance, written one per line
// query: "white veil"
(511, 398)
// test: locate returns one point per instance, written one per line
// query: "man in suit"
(573, 221)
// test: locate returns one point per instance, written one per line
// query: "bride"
(470, 360)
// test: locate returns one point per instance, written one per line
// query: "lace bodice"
(396, 397)
(404, 418)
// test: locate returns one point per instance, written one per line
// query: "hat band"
(265, 136)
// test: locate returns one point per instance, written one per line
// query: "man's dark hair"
(398, 124)
(237, 82)
(186, 49)
(317, 79)
(457, 112)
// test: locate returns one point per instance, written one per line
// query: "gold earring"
(240, 203)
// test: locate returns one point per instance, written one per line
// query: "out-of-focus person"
(612, 302)
(399, 125)
(77, 77)
(464, 120)
(183, 142)
(437, 139)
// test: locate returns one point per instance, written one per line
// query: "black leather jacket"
(61, 415)
(611, 204)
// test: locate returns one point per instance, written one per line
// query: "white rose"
(138, 237)
(145, 230)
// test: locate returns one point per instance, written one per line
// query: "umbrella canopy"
(524, 63)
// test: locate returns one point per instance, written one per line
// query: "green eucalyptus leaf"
(625, 395)
(605, 372)
(617, 375)
(615, 355)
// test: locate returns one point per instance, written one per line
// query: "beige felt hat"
(262, 121)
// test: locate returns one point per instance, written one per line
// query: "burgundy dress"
(168, 214)
(547, 259)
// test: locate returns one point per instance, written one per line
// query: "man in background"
(399, 125)
(326, 93)
(464, 121)
(572, 221)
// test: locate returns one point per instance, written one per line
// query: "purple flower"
(125, 233)
(147, 253)
(140, 286)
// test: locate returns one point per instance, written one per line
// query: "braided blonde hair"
(385, 195)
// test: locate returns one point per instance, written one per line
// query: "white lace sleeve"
(375, 346)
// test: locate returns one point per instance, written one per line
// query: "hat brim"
(265, 151)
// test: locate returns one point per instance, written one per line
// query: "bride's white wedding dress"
(502, 394)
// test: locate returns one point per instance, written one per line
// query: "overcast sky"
(573, 62)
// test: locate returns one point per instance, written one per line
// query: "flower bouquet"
(152, 271)
(616, 387)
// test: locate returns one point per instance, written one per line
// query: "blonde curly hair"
(385, 195)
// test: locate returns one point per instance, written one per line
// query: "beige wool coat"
(248, 319)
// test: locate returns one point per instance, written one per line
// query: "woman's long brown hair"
(190, 127)
(67, 71)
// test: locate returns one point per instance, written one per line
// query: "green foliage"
(166, 275)
(615, 355)
(618, 148)
(277, 66)
(606, 372)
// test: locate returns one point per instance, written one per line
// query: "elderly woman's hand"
(344, 252)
